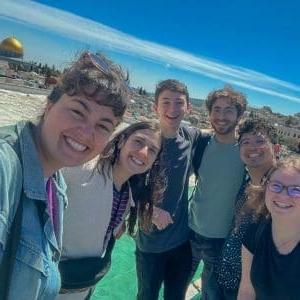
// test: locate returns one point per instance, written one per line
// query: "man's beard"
(225, 130)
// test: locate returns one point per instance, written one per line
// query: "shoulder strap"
(197, 154)
(198, 147)
(199, 150)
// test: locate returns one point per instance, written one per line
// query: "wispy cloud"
(88, 31)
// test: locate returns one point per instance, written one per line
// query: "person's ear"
(189, 107)
(121, 142)
(48, 107)
(154, 107)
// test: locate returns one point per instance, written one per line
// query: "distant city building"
(289, 132)
(11, 48)
(12, 63)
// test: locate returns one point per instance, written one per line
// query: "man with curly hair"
(220, 177)
(257, 140)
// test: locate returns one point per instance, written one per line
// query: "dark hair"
(236, 98)
(171, 85)
(83, 77)
(256, 125)
(147, 188)
(111, 152)
(147, 191)
(255, 204)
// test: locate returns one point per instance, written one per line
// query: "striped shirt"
(120, 201)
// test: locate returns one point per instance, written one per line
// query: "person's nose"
(173, 107)
(222, 114)
(87, 131)
(143, 152)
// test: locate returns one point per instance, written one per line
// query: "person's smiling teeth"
(137, 161)
(282, 205)
(75, 145)
(253, 155)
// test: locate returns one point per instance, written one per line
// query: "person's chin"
(223, 131)
(135, 168)
(174, 123)
(170, 126)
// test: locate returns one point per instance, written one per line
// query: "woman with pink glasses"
(271, 249)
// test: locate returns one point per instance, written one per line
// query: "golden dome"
(11, 44)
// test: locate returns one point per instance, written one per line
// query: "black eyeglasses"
(258, 142)
(277, 187)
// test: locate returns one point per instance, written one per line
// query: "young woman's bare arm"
(246, 290)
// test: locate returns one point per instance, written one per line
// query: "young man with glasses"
(220, 177)
(256, 140)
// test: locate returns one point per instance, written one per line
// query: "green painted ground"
(120, 282)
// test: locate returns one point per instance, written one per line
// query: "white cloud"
(88, 31)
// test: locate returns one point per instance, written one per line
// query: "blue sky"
(253, 45)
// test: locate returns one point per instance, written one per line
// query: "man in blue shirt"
(164, 254)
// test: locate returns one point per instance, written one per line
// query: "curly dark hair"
(171, 85)
(83, 77)
(236, 98)
(147, 188)
(257, 125)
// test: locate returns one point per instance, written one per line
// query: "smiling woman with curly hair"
(271, 248)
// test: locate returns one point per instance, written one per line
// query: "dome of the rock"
(11, 47)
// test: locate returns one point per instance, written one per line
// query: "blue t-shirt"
(176, 162)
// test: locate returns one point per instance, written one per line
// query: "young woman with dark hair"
(81, 113)
(100, 199)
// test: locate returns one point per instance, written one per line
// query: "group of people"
(72, 182)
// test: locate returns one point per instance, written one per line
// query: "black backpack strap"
(197, 153)
(199, 150)
(198, 147)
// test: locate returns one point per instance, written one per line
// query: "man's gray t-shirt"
(221, 175)
(176, 160)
